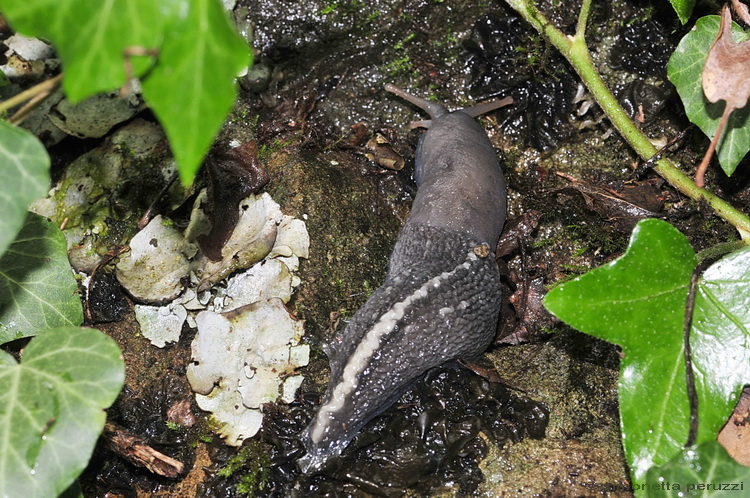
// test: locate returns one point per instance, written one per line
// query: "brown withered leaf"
(623, 207)
(517, 232)
(533, 317)
(359, 136)
(483, 367)
(736, 433)
(232, 176)
(741, 10)
(726, 76)
(383, 153)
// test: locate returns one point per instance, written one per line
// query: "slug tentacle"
(486, 107)
(441, 296)
(434, 109)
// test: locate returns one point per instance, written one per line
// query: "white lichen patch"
(161, 324)
(154, 268)
(270, 278)
(95, 116)
(291, 384)
(240, 363)
(241, 359)
(292, 242)
(82, 200)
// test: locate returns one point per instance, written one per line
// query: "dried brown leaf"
(741, 10)
(735, 435)
(726, 76)
(517, 232)
(623, 207)
(380, 150)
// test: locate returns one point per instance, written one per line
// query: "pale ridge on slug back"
(441, 296)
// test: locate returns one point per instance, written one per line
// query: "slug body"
(441, 296)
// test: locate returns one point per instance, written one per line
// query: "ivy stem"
(574, 49)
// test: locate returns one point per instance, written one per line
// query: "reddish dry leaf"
(726, 76)
(735, 435)
(741, 10)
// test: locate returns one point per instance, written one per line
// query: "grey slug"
(441, 296)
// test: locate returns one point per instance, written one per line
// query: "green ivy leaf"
(685, 69)
(683, 8)
(638, 301)
(703, 471)
(24, 168)
(37, 287)
(192, 88)
(90, 37)
(52, 408)
(189, 85)
(720, 337)
(634, 301)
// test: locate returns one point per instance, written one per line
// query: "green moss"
(341, 7)
(352, 229)
(250, 466)
(580, 251)
(371, 18)
(407, 39)
(578, 269)
(266, 151)
(399, 66)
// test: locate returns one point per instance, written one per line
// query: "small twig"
(149, 214)
(32, 104)
(137, 452)
(716, 251)
(701, 171)
(47, 87)
(583, 17)
(656, 157)
(128, 55)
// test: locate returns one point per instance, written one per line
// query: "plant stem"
(574, 49)
(47, 86)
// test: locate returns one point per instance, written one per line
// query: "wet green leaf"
(683, 8)
(685, 69)
(192, 89)
(189, 84)
(90, 37)
(37, 288)
(24, 168)
(720, 337)
(52, 408)
(706, 471)
(638, 301)
(635, 301)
